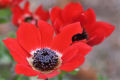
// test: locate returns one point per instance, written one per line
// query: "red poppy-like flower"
(9, 3)
(25, 15)
(94, 31)
(38, 52)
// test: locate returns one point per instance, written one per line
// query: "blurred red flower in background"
(38, 52)
(94, 31)
(9, 3)
(25, 15)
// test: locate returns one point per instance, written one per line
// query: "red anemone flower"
(25, 15)
(38, 52)
(94, 31)
(9, 3)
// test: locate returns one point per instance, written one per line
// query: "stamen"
(45, 60)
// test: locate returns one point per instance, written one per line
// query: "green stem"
(60, 77)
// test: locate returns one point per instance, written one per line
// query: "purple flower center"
(45, 60)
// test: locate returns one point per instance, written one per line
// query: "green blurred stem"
(60, 77)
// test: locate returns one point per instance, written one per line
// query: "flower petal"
(55, 13)
(16, 51)
(95, 39)
(87, 17)
(73, 63)
(49, 75)
(17, 13)
(25, 70)
(104, 28)
(54, 73)
(47, 33)
(100, 32)
(43, 15)
(56, 18)
(28, 36)
(26, 6)
(71, 10)
(64, 39)
(77, 49)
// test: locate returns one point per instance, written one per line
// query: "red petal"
(43, 15)
(25, 70)
(55, 13)
(71, 10)
(26, 6)
(95, 39)
(16, 51)
(87, 17)
(50, 75)
(47, 33)
(73, 63)
(77, 49)
(100, 32)
(56, 18)
(58, 25)
(104, 28)
(28, 36)
(17, 13)
(53, 74)
(42, 76)
(64, 39)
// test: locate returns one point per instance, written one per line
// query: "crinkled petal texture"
(30, 37)
(73, 12)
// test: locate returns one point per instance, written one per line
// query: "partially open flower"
(94, 31)
(25, 15)
(38, 52)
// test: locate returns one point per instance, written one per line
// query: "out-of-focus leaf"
(22, 77)
(5, 15)
(12, 35)
(55, 78)
(2, 79)
(5, 12)
(3, 20)
(101, 77)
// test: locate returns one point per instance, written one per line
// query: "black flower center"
(28, 19)
(45, 60)
(79, 36)
(31, 19)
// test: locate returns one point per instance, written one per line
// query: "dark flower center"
(45, 60)
(79, 36)
(28, 19)
(31, 19)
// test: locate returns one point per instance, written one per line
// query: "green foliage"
(3, 50)
(2, 79)
(5, 15)
(101, 77)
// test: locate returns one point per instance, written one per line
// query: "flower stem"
(60, 77)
